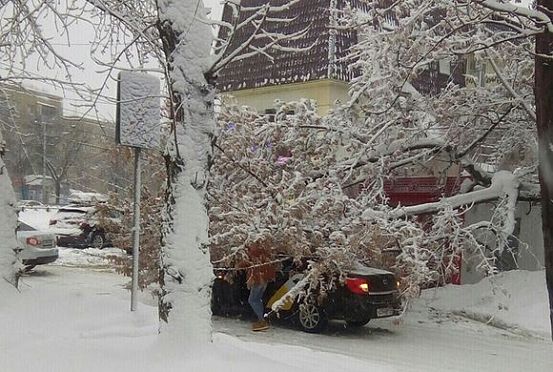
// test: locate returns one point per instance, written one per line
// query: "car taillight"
(33, 241)
(357, 285)
(53, 222)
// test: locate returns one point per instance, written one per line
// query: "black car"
(79, 226)
(366, 294)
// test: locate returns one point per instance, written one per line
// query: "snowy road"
(417, 345)
(424, 342)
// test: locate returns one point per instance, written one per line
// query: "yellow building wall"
(325, 92)
(480, 73)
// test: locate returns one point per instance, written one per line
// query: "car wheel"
(29, 268)
(311, 318)
(357, 323)
(97, 241)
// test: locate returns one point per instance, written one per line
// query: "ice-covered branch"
(293, 293)
(504, 183)
(537, 16)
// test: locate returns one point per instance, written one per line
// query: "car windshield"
(68, 213)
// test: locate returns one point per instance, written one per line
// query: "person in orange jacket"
(260, 271)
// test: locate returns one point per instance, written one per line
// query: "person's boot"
(260, 325)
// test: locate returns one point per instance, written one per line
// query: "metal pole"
(44, 162)
(136, 228)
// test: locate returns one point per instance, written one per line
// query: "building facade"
(312, 64)
(48, 153)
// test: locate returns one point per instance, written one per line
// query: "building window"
(444, 67)
(270, 114)
(47, 113)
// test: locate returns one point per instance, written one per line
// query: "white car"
(35, 247)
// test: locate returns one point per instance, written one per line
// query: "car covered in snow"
(26, 204)
(35, 247)
(366, 293)
(83, 226)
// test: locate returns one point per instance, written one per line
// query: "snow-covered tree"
(174, 38)
(177, 34)
(482, 122)
(287, 182)
(472, 122)
(7, 224)
(479, 125)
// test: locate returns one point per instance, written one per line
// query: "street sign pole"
(137, 126)
(136, 228)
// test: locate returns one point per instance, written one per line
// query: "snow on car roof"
(86, 197)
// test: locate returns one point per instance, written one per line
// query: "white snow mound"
(515, 300)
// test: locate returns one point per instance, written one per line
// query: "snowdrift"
(514, 300)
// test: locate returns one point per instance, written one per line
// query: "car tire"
(357, 323)
(28, 268)
(98, 241)
(311, 318)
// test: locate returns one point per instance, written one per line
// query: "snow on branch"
(294, 292)
(537, 16)
(504, 183)
(252, 25)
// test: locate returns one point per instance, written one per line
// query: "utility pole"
(44, 195)
(543, 90)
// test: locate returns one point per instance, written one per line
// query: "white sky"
(215, 6)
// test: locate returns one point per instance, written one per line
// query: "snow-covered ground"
(435, 335)
(73, 319)
(74, 316)
(513, 300)
(88, 257)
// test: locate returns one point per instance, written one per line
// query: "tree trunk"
(57, 186)
(186, 274)
(544, 111)
(8, 218)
